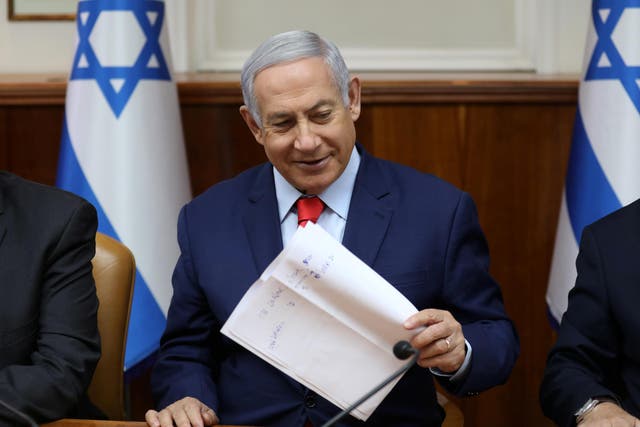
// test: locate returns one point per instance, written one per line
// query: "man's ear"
(251, 123)
(354, 98)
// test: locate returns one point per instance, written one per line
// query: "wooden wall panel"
(4, 139)
(428, 137)
(503, 140)
(218, 144)
(517, 159)
(33, 138)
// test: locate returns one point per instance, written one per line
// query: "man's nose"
(306, 138)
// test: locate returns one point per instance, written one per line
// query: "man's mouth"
(311, 163)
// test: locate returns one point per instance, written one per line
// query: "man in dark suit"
(49, 342)
(592, 377)
(418, 232)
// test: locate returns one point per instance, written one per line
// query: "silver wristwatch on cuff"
(588, 407)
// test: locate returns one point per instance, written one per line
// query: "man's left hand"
(441, 344)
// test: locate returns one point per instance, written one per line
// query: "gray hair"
(288, 47)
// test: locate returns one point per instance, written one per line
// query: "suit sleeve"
(584, 357)
(68, 344)
(186, 365)
(475, 300)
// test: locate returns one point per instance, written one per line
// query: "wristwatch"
(588, 407)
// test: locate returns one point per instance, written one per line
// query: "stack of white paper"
(321, 315)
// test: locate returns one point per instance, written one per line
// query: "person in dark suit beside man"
(418, 232)
(592, 377)
(49, 341)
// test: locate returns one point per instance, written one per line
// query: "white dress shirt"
(337, 198)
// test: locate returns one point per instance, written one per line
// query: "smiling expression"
(307, 132)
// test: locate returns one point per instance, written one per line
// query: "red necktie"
(309, 209)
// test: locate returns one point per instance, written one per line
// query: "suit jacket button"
(310, 401)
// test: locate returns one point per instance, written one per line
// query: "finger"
(448, 362)
(435, 348)
(209, 416)
(431, 335)
(424, 318)
(166, 418)
(151, 417)
(441, 348)
(180, 417)
(194, 413)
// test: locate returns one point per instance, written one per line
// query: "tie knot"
(309, 209)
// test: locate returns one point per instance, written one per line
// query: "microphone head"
(403, 350)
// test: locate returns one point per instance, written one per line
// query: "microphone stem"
(359, 402)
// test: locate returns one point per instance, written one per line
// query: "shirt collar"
(337, 196)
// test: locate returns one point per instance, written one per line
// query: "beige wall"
(34, 47)
(531, 35)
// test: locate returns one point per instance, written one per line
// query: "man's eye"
(280, 126)
(322, 116)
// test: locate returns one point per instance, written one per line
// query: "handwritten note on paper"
(316, 313)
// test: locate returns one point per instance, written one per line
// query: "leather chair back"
(453, 415)
(114, 273)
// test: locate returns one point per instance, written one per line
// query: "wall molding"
(178, 27)
(405, 88)
(400, 60)
(520, 56)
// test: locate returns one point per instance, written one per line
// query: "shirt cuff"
(462, 370)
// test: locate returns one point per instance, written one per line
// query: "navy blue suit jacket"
(598, 350)
(418, 232)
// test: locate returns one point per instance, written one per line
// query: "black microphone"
(26, 419)
(402, 350)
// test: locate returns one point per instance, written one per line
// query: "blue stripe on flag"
(589, 193)
(71, 178)
(147, 322)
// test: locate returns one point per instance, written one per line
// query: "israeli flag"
(122, 148)
(603, 173)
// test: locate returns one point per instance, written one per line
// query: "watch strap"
(589, 405)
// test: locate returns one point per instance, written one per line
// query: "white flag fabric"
(603, 173)
(123, 150)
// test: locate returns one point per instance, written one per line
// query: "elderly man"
(417, 231)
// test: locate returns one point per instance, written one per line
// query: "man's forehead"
(281, 111)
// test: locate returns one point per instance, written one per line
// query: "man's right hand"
(187, 412)
(609, 414)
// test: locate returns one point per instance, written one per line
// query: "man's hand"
(441, 344)
(187, 412)
(608, 414)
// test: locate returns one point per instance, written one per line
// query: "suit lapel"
(262, 221)
(370, 213)
(370, 210)
(262, 225)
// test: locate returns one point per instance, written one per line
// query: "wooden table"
(99, 423)
(94, 423)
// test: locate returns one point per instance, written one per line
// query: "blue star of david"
(87, 66)
(617, 70)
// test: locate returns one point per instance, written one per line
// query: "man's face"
(307, 132)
